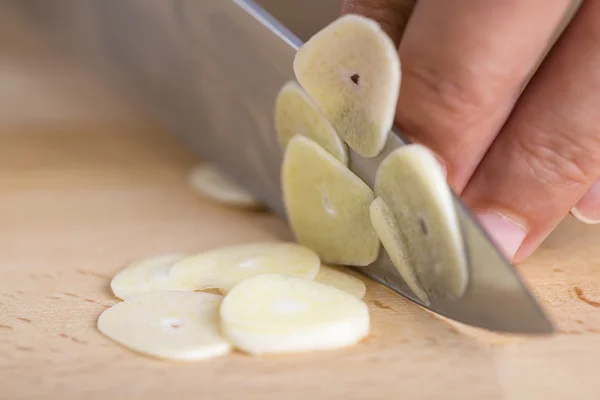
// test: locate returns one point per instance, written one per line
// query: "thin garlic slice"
(351, 70)
(390, 235)
(296, 113)
(168, 325)
(327, 205)
(210, 182)
(146, 275)
(225, 267)
(275, 314)
(339, 279)
(413, 185)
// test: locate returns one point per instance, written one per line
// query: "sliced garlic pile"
(164, 315)
(351, 71)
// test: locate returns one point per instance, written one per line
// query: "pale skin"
(519, 133)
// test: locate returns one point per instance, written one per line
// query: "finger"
(587, 210)
(548, 154)
(392, 15)
(464, 64)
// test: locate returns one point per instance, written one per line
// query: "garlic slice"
(168, 325)
(296, 113)
(275, 314)
(210, 182)
(413, 185)
(153, 273)
(351, 70)
(327, 205)
(225, 267)
(335, 277)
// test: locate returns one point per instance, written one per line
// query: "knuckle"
(560, 158)
(591, 12)
(436, 100)
(453, 111)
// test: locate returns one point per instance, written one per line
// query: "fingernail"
(507, 234)
(582, 217)
(587, 210)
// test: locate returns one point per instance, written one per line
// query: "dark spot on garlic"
(423, 226)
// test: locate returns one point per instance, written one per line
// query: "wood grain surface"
(88, 182)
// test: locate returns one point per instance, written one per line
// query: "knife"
(210, 71)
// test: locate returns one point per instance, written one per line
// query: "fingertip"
(587, 209)
(505, 232)
(581, 217)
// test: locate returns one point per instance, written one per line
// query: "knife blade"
(210, 70)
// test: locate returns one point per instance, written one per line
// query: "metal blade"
(211, 70)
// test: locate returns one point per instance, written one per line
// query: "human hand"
(521, 144)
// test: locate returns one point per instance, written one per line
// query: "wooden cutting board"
(88, 183)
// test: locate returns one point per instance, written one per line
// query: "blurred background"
(40, 79)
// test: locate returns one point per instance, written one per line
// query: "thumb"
(392, 15)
